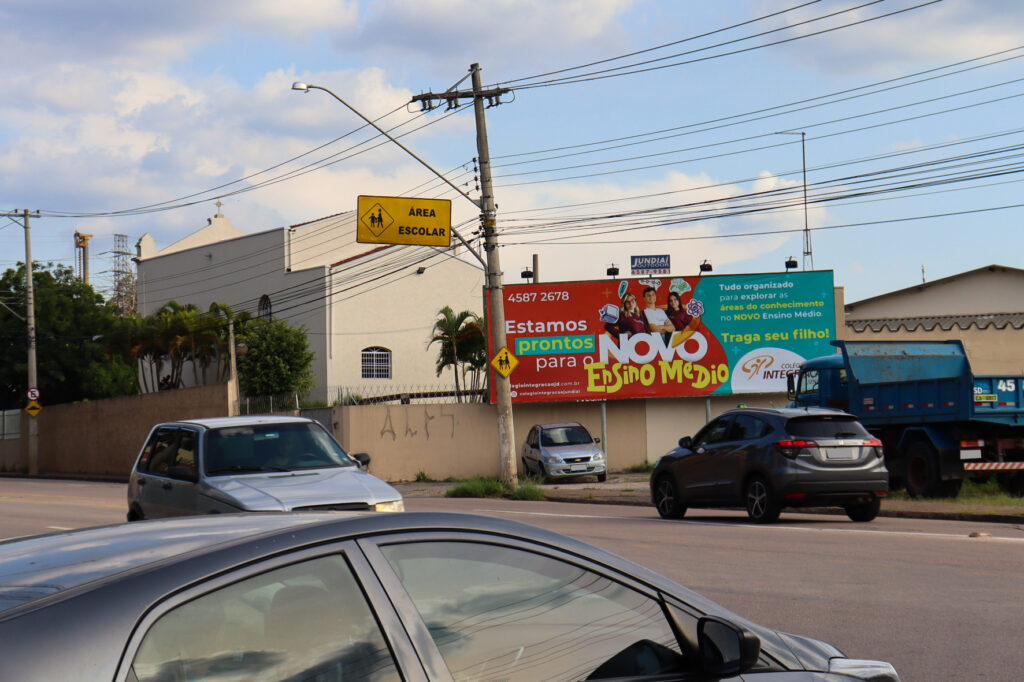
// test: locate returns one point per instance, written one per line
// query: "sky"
(632, 127)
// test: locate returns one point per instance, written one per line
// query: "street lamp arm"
(306, 87)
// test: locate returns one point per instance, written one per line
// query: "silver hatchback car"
(232, 464)
(561, 450)
(765, 459)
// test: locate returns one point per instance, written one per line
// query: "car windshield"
(272, 447)
(826, 427)
(565, 435)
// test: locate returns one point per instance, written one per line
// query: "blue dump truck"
(938, 422)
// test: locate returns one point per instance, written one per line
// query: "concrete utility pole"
(30, 322)
(495, 285)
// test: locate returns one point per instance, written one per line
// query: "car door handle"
(167, 485)
(142, 481)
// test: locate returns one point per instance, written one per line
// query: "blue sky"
(120, 104)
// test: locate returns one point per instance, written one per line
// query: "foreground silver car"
(412, 597)
(563, 449)
(231, 464)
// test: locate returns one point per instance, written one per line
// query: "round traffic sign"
(32, 393)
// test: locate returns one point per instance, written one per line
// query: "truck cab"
(822, 382)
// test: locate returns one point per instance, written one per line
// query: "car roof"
(229, 422)
(37, 569)
(555, 425)
(791, 412)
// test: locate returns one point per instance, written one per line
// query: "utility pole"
(808, 252)
(30, 321)
(495, 285)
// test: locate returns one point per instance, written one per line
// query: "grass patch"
(972, 493)
(477, 487)
(490, 487)
(422, 477)
(527, 491)
(645, 468)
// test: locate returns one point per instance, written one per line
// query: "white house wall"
(344, 310)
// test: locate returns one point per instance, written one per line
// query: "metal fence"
(361, 395)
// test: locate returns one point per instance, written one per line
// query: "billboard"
(665, 336)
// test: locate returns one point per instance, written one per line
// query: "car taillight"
(876, 444)
(790, 448)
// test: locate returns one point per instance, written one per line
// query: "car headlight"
(395, 506)
(552, 459)
(598, 456)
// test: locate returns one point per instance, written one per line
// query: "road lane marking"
(781, 527)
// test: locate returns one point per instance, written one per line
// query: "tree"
(73, 326)
(462, 343)
(277, 359)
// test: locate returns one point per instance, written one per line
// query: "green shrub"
(422, 477)
(477, 487)
(645, 468)
(527, 491)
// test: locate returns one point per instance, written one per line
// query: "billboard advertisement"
(665, 336)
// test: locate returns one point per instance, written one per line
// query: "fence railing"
(360, 395)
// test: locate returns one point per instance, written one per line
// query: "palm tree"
(457, 334)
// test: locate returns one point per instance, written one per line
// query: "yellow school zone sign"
(504, 362)
(404, 220)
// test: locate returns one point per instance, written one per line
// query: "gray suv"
(765, 459)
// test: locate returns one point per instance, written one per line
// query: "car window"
(499, 613)
(826, 427)
(809, 381)
(715, 431)
(749, 427)
(565, 435)
(308, 621)
(531, 440)
(272, 447)
(185, 453)
(158, 456)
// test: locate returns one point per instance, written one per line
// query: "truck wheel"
(862, 513)
(762, 507)
(1012, 484)
(666, 498)
(923, 476)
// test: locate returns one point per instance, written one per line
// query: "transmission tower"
(124, 277)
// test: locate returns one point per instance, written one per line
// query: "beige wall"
(102, 437)
(460, 441)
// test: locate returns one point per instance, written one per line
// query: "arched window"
(264, 311)
(376, 363)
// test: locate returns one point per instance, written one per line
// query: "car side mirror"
(791, 385)
(183, 474)
(363, 458)
(686, 442)
(726, 649)
(597, 440)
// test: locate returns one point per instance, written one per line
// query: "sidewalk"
(633, 489)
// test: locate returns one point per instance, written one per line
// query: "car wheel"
(134, 513)
(601, 478)
(666, 498)
(862, 513)
(924, 479)
(762, 507)
(542, 472)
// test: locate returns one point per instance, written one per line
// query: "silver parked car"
(232, 464)
(563, 449)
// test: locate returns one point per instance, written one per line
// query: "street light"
(612, 271)
(808, 253)
(705, 267)
(492, 265)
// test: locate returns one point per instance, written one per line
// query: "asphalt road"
(922, 594)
